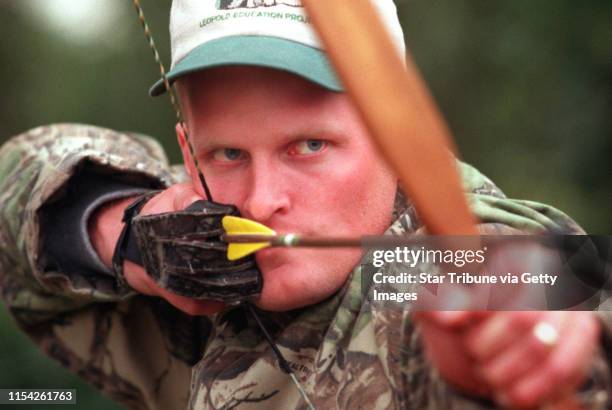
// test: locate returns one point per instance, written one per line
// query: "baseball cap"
(276, 34)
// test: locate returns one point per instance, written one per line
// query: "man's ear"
(182, 141)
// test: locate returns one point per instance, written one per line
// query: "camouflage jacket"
(144, 353)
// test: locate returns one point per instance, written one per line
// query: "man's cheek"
(228, 191)
(353, 197)
(340, 187)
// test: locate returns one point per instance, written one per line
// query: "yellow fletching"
(234, 225)
(240, 250)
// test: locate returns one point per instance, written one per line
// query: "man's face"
(294, 157)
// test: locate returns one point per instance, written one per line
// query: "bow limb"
(397, 109)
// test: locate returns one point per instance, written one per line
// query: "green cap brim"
(272, 52)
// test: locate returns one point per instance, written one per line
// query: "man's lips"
(271, 258)
(270, 252)
(274, 257)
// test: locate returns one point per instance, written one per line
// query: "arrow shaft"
(293, 240)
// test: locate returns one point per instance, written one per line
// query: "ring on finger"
(546, 333)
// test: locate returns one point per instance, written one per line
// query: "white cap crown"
(195, 22)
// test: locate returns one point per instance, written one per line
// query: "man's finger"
(501, 330)
(565, 367)
(526, 352)
(144, 284)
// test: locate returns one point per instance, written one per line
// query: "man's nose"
(267, 195)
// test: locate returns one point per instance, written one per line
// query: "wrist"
(105, 226)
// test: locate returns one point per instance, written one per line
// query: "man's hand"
(106, 226)
(499, 355)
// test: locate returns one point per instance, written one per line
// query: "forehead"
(222, 99)
(241, 82)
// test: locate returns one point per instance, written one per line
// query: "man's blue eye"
(306, 147)
(314, 145)
(227, 154)
(232, 153)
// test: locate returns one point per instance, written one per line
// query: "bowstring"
(284, 365)
(170, 91)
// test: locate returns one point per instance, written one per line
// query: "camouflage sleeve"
(493, 208)
(35, 170)
(136, 349)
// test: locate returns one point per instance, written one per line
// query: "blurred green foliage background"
(526, 86)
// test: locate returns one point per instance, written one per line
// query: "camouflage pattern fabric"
(144, 353)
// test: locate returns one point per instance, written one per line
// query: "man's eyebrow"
(210, 143)
(297, 133)
(333, 129)
(204, 149)
(207, 146)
